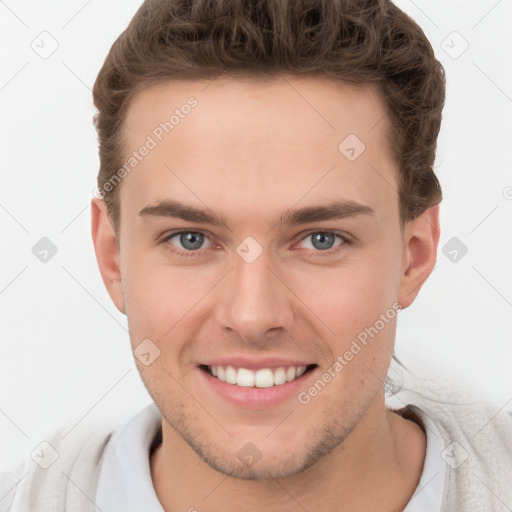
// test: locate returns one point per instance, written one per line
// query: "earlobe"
(421, 238)
(107, 252)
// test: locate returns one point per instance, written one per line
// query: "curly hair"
(357, 41)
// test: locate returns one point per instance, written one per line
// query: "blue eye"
(190, 242)
(324, 240)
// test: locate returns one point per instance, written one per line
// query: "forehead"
(272, 141)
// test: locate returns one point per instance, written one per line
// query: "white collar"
(125, 483)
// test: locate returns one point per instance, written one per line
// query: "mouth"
(257, 378)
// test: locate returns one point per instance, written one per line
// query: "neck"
(371, 466)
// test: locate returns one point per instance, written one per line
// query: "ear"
(107, 252)
(421, 238)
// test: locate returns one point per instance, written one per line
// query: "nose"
(254, 300)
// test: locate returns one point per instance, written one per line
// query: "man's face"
(261, 294)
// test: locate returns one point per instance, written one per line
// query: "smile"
(262, 378)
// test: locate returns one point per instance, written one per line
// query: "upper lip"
(256, 364)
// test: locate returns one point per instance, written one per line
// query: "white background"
(65, 356)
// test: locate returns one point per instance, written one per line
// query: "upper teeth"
(263, 378)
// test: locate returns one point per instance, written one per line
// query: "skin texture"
(250, 151)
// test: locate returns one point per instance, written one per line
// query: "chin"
(269, 463)
(264, 468)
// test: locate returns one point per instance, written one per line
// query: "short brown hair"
(358, 41)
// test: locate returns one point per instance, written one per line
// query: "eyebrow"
(334, 210)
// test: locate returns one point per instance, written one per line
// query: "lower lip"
(257, 398)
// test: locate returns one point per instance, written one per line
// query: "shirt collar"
(125, 483)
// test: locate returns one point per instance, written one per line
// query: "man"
(267, 208)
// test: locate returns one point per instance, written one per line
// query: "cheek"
(151, 298)
(348, 297)
(153, 289)
(164, 304)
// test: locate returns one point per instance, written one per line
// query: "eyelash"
(329, 252)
